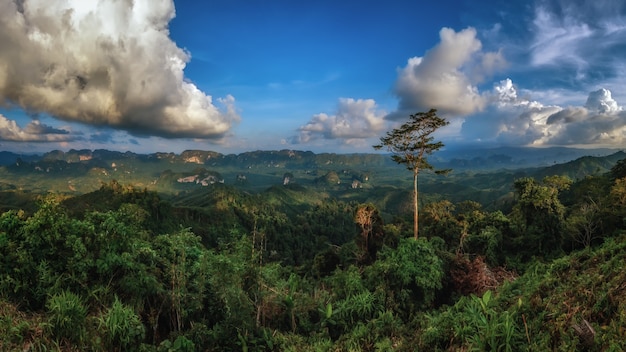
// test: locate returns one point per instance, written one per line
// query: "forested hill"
(583, 166)
(172, 253)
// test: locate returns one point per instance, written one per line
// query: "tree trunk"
(415, 207)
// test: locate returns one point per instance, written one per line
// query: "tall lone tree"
(410, 144)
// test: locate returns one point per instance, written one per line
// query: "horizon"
(168, 76)
(455, 151)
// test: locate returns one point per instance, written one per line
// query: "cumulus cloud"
(601, 122)
(106, 63)
(513, 120)
(509, 119)
(354, 121)
(446, 77)
(602, 102)
(594, 130)
(35, 131)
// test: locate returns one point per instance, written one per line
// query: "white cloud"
(601, 122)
(35, 131)
(107, 63)
(602, 102)
(354, 121)
(446, 77)
(571, 48)
(509, 119)
(513, 120)
(557, 39)
(583, 40)
(505, 93)
(587, 129)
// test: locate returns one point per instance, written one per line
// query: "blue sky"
(326, 76)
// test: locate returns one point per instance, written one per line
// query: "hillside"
(282, 251)
(574, 303)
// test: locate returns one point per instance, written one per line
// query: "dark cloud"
(35, 131)
(101, 137)
(36, 127)
(568, 115)
(105, 63)
(596, 129)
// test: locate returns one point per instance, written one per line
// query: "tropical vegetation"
(311, 267)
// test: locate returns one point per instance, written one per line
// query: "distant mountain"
(581, 167)
(10, 158)
(486, 178)
(282, 158)
(455, 158)
(513, 157)
(84, 170)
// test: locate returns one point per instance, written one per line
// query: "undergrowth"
(577, 302)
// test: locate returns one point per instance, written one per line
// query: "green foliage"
(121, 328)
(41, 253)
(410, 144)
(18, 329)
(618, 170)
(181, 344)
(347, 282)
(408, 276)
(413, 139)
(357, 307)
(540, 214)
(477, 323)
(67, 315)
(220, 269)
(487, 243)
(182, 263)
(493, 330)
(554, 299)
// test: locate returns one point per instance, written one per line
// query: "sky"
(325, 75)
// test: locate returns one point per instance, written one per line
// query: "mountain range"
(485, 176)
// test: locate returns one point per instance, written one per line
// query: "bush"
(411, 275)
(66, 316)
(122, 328)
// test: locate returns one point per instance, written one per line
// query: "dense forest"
(124, 267)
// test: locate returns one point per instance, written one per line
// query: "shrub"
(66, 316)
(412, 274)
(122, 328)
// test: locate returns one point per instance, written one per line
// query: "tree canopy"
(410, 144)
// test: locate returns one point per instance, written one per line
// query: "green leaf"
(329, 310)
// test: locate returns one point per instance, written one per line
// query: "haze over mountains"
(479, 158)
